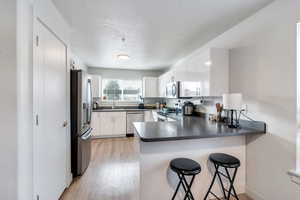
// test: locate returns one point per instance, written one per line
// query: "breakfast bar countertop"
(194, 128)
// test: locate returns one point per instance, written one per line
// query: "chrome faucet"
(113, 103)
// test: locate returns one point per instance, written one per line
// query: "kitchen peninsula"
(190, 137)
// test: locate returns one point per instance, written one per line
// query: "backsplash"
(203, 105)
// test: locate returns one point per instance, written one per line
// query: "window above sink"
(119, 90)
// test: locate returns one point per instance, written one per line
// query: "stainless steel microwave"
(172, 90)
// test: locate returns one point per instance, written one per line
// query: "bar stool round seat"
(185, 166)
(224, 160)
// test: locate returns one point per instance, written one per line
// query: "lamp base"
(233, 122)
(233, 126)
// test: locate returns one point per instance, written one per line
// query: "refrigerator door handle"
(90, 101)
(87, 134)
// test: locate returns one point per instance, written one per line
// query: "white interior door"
(50, 95)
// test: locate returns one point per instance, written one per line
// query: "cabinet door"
(162, 86)
(112, 123)
(150, 87)
(106, 123)
(219, 73)
(96, 85)
(95, 123)
(119, 126)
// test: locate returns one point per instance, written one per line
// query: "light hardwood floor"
(113, 173)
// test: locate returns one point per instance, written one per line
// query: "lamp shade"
(232, 101)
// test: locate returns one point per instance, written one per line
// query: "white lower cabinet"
(95, 123)
(107, 124)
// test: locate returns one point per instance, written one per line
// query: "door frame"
(68, 175)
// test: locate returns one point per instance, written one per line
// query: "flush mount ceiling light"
(208, 63)
(123, 57)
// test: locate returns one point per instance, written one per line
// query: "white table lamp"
(233, 103)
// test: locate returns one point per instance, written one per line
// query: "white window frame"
(119, 102)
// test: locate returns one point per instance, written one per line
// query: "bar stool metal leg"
(188, 193)
(231, 187)
(178, 186)
(211, 185)
(220, 179)
(186, 186)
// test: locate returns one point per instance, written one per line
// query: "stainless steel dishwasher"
(136, 116)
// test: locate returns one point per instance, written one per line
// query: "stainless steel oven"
(132, 117)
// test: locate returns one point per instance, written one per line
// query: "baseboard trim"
(295, 176)
(69, 180)
(253, 194)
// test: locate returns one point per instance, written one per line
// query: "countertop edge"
(143, 139)
(249, 128)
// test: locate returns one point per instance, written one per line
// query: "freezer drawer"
(134, 117)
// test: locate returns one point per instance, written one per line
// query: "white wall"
(8, 100)
(24, 99)
(263, 68)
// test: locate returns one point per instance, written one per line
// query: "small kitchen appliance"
(188, 108)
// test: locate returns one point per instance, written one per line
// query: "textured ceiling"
(157, 32)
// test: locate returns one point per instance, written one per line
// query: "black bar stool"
(227, 162)
(185, 167)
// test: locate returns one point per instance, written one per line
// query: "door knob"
(65, 124)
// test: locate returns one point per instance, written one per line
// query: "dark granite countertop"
(194, 128)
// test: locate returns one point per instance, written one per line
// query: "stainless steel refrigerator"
(81, 112)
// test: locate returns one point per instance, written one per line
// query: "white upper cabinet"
(163, 80)
(219, 72)
(209, 69)
(96, 85)
(150, 87)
